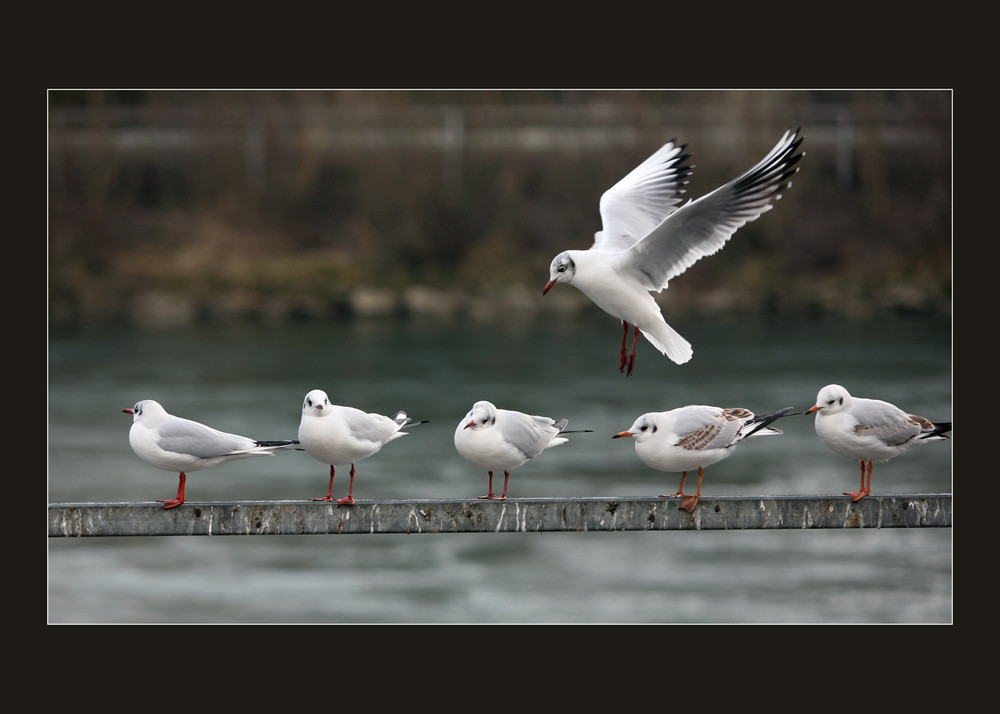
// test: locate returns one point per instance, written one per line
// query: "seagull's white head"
(831, 399)
(146, 411)
(561, 270)
(643, 427)
(482, 415)
(316, 403)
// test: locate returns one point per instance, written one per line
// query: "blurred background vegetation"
(177, 206)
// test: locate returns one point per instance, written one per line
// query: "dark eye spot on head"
(654, 428)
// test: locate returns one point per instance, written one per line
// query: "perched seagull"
(695, 436)
(646, 240)
(174, 444)
(501, 440)
(339, 436)
(869, 430)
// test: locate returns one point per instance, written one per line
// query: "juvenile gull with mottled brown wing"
(694, 437)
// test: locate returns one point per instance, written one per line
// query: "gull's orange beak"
(472, 422)
(622, 434)
(810, 410)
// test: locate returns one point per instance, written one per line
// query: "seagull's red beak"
(810, 410)
(128, 411)
(548, 286)
(622, 434)
(472, 422)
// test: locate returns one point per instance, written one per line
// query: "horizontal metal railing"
(526, 515)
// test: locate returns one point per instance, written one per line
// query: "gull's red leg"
(623, 359)
(329, 493)
(631, 357)
(490, 494)
(506, 476)
(349, 499)
(174, 502)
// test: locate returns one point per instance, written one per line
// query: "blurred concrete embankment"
(172, 207)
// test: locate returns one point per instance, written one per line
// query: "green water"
(252, 379)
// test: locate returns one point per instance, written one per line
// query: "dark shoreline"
(158, 307)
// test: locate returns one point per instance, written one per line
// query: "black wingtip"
(941, 430)
(767, 419)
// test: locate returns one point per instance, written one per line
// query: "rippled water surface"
(252, 379)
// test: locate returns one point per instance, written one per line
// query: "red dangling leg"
(865, 488)
(631, 357)
(490, 494)
(692, 501)
(349, 499)
(174, 502)
(680, 489)
(329, 493)
(623, 359)
(506, 476)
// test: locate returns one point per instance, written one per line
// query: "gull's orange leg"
(691, 501)
(680, 489)
(865, 489)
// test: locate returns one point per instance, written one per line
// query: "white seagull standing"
(646, 240)
(338, 436)
(695, 436)
(502, 440)
(869, 430)
(175, 444)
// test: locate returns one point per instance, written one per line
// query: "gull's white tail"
(668, 341)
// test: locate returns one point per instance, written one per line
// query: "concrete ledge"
(483, 516)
